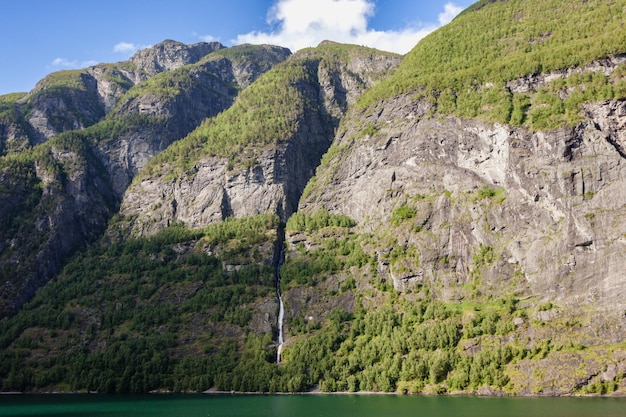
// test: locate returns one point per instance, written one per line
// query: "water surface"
(79, 405)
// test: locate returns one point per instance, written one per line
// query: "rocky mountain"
(450, 221)
(280, 127)
(81, 136)
(546, 203)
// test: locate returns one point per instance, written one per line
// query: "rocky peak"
(169, 55)
(65, 100)
(246, 71)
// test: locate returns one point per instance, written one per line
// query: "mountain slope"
(308, 92)
(75, 99)
(76, 179)
(548, 202)
(471, 68)
(169, 105)
(147, 313)
(474, 176)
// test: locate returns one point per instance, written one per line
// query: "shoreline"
(315, 392)
(319, 393)
(399, 394)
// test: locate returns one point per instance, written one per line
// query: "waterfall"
(281, 307)
(281, 314)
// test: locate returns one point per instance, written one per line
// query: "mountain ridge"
(270, 128)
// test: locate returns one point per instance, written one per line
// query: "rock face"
(167, 56)
(212, 190)
(113, 80)
(495, 206)
(52, 109)
(402, 204)
(175, 107)
(59, 214)
(73, 100)
(13, 132)
(425, 233)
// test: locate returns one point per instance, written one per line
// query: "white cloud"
(303, 23)
(128, 48)
(207, 38)
(450, 10)
(63, 63)
(124, 47)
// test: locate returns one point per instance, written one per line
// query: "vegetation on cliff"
(495, 62)
(267, 113)
(144, 314)
(180, 311)
(466, 68)
(83, 134)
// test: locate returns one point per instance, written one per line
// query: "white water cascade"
(281, 308)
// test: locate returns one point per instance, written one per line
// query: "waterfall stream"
(281, 307)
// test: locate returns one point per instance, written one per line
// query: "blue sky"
(42, 36)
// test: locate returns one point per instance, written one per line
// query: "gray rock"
(557, 221)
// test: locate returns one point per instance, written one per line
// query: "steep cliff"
(13, 130)
(171, 104)
(54, 201)
(76, 99)
(545, 203)
(491, 172)
(548, 205)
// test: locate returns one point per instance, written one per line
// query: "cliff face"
(54, 108)
(273, 178)
(548, 204)
(73, 100)
(54, 207)
(173, 104)
(167, 56)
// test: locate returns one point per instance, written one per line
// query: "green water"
(304, 406)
